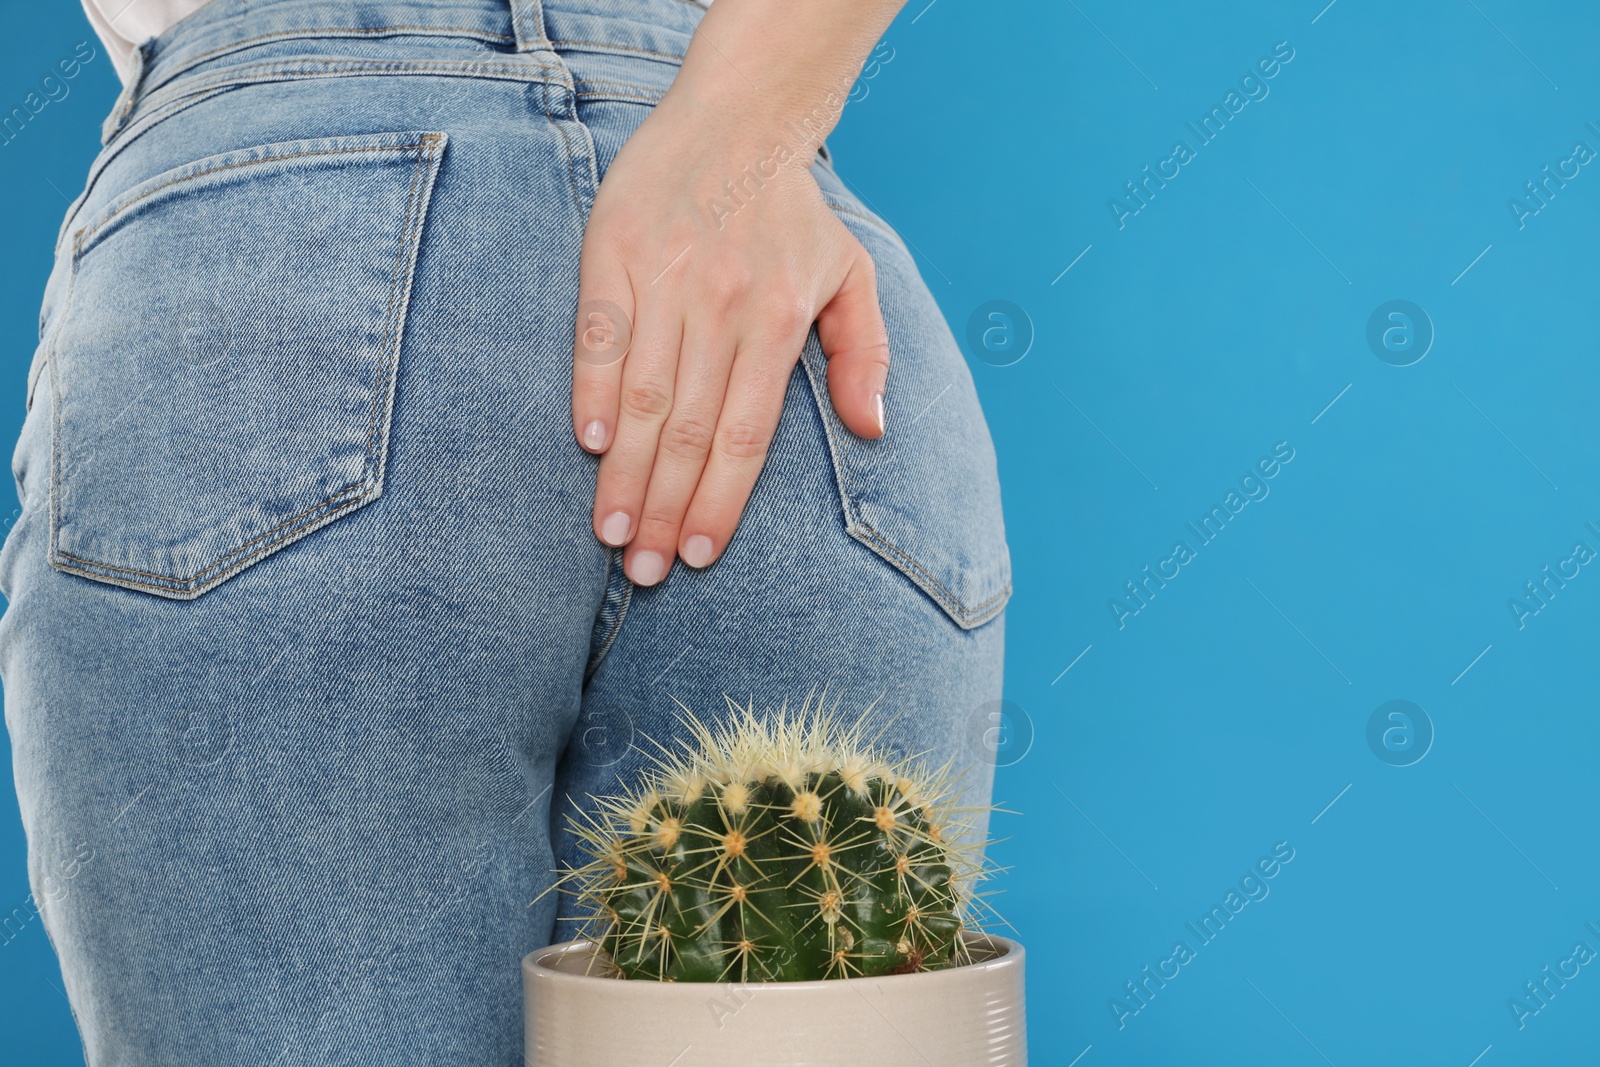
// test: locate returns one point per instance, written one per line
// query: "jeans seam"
(870, 535)
(426, 150)
(643, 94)
(578, 199)
(835, 447)
(291, 35)
(624, 600)
(130, 94)
(91, 569)
(86, 232)
(332, 501)
(964, 615)
(170, 103)
(55, 406)
(578, 141)
(607, 46)
(304, 67)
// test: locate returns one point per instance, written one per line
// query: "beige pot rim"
(967, 1016)
(991, 952)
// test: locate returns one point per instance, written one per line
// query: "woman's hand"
(708, 255)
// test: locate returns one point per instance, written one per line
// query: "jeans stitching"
(243, 73)
(624, 600)
(175, 92)
(426, 150)
(408, 239)
(864, 532)
(170, 102)
(599, 86)
(578, 141)
(55, 402)
(197, 583)
(314, 34)
(90, 230)
(609, 46)
(943, 594)
(224, 559)
(55, 447)
(835, 446)
(195, 589)
(618, 97)
(572, 163)
(131, 92)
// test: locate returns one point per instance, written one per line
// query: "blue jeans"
(310, 647)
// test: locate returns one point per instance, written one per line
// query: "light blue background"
(1222, 319)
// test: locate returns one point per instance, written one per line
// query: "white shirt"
(123, 24)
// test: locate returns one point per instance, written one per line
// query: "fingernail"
(877, 408)
(697, 551)
(614, 530)
(647, 568)
(594, 436)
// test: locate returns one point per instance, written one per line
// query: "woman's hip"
(304, 595)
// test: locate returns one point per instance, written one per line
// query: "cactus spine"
(780, 848)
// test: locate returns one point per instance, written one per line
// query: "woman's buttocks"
(314, 177)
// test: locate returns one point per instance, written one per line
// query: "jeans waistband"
(541, 30)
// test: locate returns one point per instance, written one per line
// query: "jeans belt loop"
(130, 92)
(527, 18)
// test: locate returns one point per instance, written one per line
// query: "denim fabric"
(309, 645)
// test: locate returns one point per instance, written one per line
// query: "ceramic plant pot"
(969, 1016)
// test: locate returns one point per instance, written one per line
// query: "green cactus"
(780, 848)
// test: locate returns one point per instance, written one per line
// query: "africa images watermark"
(1253, 487)
(809, 131)
(70, 862)
(1536, 996)
(1537, 593)
(1536, 195)
(53, 88)
(1139, 194)
(1252, 888)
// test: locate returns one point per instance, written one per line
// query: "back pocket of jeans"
(926, 496)
(224, 372)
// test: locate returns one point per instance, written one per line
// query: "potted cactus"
(778, 892)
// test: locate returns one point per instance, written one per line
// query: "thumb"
(853, 338)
